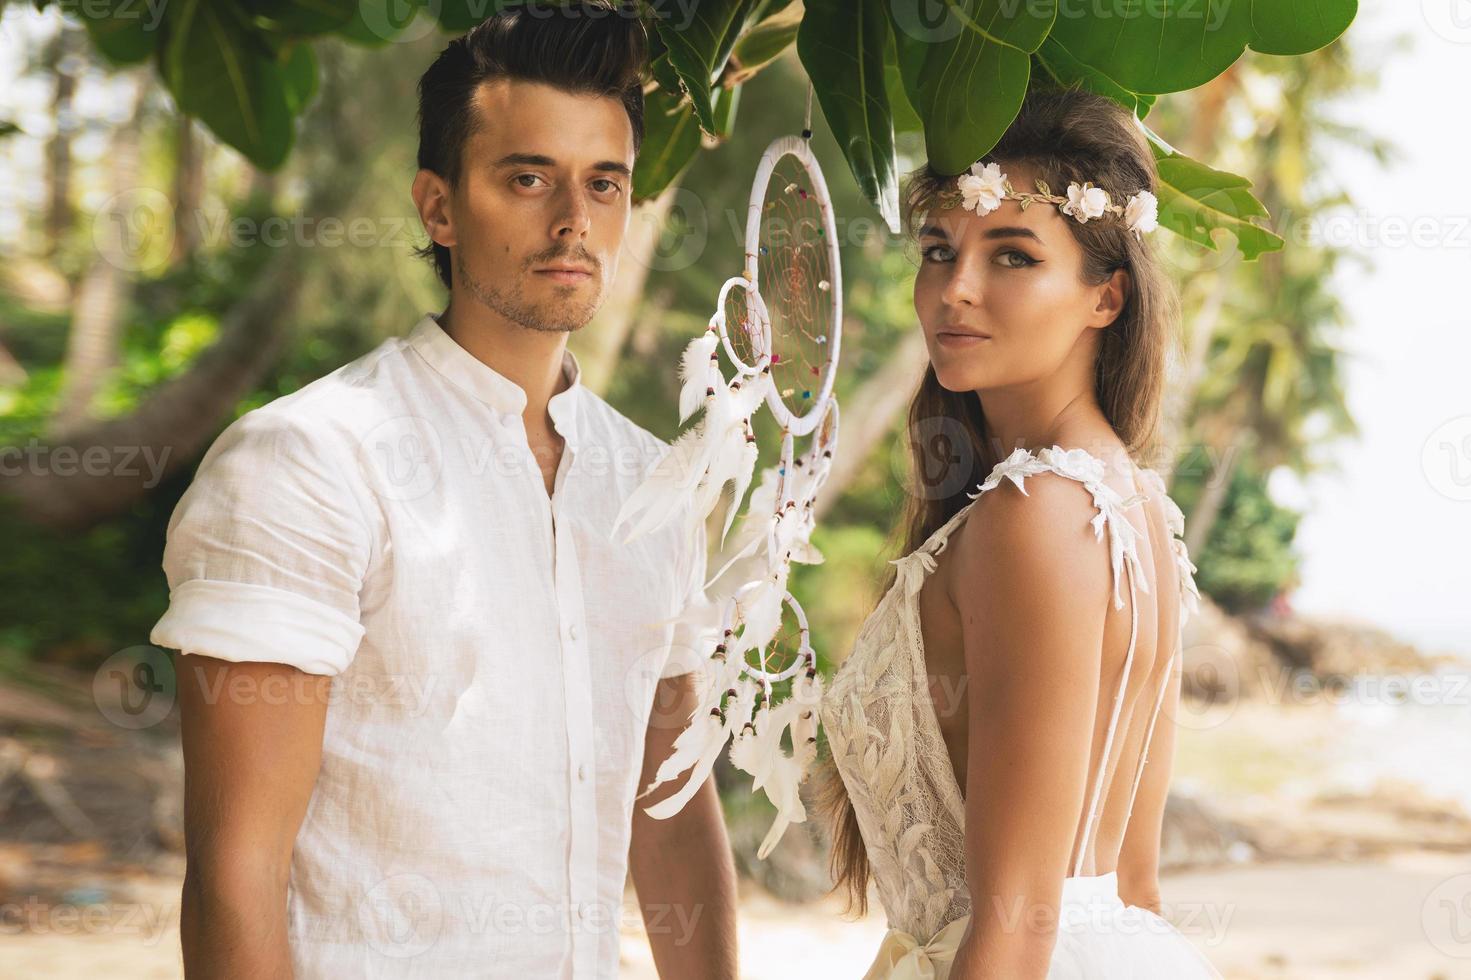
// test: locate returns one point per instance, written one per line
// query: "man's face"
(545, 181)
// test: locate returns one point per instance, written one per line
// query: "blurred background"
(1320, 823)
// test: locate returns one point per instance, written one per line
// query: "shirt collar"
(467, 371)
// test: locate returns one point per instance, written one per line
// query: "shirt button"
(581, 771)
(572, 631)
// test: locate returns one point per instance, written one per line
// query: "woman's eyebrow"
(1006, 231)
(1011, 231)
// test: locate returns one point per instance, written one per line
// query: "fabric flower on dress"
(1077, 463)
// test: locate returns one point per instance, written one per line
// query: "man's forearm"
(233, 929)
(685, 878)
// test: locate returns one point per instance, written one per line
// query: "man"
(421, 680)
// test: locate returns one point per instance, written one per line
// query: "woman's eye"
(1026, 259)
(928, 252)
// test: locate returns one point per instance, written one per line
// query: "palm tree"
(1272, 384)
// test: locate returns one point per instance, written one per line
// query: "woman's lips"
(959, 339)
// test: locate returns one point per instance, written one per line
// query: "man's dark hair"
(595, 47)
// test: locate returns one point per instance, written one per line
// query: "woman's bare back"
(939, 602)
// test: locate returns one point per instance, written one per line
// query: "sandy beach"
(1359, 866)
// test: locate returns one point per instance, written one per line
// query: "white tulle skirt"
(1098, 938)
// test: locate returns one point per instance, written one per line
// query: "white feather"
(738, 712)
(699, 462)
(742, 481)
(696, 372)
(760, 608)
(736, 576)
(668, 480)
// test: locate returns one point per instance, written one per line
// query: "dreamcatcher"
(779, 325)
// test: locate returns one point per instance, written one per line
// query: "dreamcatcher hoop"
(757, 308)
(746, 602)
(801, 149)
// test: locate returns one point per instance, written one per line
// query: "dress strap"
(916, 566)
(1089, 470)
(1190, 603)
(1113, 723)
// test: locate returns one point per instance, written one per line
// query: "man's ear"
(1112, 296)
(431, 200)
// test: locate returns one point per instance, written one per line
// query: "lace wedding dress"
(886, 743)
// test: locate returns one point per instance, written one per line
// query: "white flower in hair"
(1142, 212)
(1085, 201)
(982, 188)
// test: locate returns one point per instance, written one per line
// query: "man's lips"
(566, 273)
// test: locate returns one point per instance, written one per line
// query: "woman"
(989, 729)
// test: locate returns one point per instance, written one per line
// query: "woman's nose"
(963, 286)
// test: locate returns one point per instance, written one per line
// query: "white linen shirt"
(494, 650)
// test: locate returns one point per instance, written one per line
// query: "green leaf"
(377, 22)
(299, 72)
(1291, 27)
(671, 140)
(1196, 201)
(1163, 47)
(458, 16)
(726, 102)
(303, 18)
(966, 72)
(1060, 65)
(700, 35)
(763, 43)
(663, 73)
(905, 119)
(842, 45)
(227, 78)
(770, 8)
(125, 31)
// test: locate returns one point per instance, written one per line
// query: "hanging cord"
(807, 119)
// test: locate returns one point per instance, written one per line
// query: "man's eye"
(521, 177)
(612, 185)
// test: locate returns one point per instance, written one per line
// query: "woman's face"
(1000, 297)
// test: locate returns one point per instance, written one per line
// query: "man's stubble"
(565, 317)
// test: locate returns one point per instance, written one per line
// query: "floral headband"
(983, 188)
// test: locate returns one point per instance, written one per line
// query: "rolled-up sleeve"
(268, 548)
(693, 637)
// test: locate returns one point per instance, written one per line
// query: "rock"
(1330, 648)
(1194, 834)
(1223, 660)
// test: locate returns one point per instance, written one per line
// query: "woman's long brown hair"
(1065, 135)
